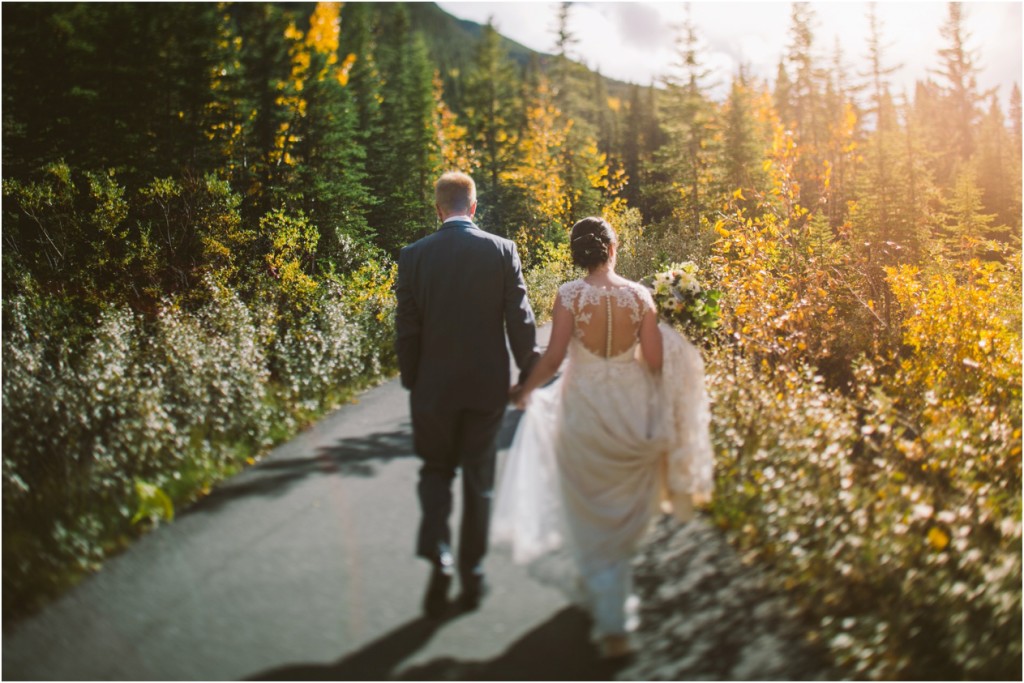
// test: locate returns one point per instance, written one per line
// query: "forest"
(203, 203)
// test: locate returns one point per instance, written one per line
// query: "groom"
(460, 290)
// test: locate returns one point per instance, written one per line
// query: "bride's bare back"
(607, 318)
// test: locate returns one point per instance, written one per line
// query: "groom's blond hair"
(455, 192)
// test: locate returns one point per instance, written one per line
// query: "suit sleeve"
(519, 320)
(408, 321)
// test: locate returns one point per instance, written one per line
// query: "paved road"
(300, 568)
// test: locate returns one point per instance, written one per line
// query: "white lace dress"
(598, 450)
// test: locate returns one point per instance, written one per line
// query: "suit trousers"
(447, 440)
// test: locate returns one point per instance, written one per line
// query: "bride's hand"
(522, 399)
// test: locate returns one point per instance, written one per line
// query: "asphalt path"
(301, 567)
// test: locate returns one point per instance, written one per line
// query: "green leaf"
(153, 503)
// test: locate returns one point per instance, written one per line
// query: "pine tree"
(966, 232)
(580, 158)
(960, 72)
(1015, 158)
(491, 109)
(783, 94)
(633, 148)
(327, 158)
(1015, 117)
(264, 70)
(402, 159)
(684, 162)
(740, 164)
(116, 86)
(805, 104)
(998, 167)
(842, 139)
(875, 194)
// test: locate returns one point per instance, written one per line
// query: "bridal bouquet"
(682, 299)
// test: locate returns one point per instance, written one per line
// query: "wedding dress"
(599, 449)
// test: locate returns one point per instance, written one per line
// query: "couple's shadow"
(557, 650)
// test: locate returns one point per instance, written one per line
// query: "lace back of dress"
(607, 320)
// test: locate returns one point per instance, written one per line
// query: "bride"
(624, 429)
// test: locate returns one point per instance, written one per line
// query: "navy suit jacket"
(460, 290)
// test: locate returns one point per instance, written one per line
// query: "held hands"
(519, 397)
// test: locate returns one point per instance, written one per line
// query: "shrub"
(99, 423)
(901, 536)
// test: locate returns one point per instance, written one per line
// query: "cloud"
(634, 41)
(640, 26)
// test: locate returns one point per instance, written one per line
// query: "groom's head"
(455, 195)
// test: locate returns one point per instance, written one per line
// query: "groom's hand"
(518, 397)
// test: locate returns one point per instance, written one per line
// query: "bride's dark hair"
(590, 242)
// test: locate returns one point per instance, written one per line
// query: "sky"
(635, 41)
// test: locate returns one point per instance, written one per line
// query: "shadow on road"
(557, 650)
(351, 457)
(374, 662)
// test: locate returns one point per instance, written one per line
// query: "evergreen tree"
(327, 157)
(491, 112)
(959, 69)
(264, 71)
(402, 160)
(580, 157)
(966, 232)
(805, 105)
(115, 85)
(1015, 117)
(642, 136)
(1016, 156)
(684, 162)
(783, 94)
(842, 138)
(998, 167)
(740, 165)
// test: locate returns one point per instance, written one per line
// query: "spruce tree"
(265, 69)
(491, 108)
(998, 167)
(580, 157)
(740, 163)
(328, 172)
(959, 70)
(402, 159)
(684, 162)
(966, 231)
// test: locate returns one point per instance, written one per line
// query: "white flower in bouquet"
(662, 283)
(682, 299)
(688, 282)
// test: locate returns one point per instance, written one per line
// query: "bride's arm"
(547, 366)
(650, 341)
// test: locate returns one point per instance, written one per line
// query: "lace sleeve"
(568, 295)
(564, 298)
(646, 300)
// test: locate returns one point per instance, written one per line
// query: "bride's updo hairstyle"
(591, 242)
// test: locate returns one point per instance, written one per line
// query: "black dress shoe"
(474, 590)
(435, 602)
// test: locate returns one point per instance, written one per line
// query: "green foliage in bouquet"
(683, 300)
